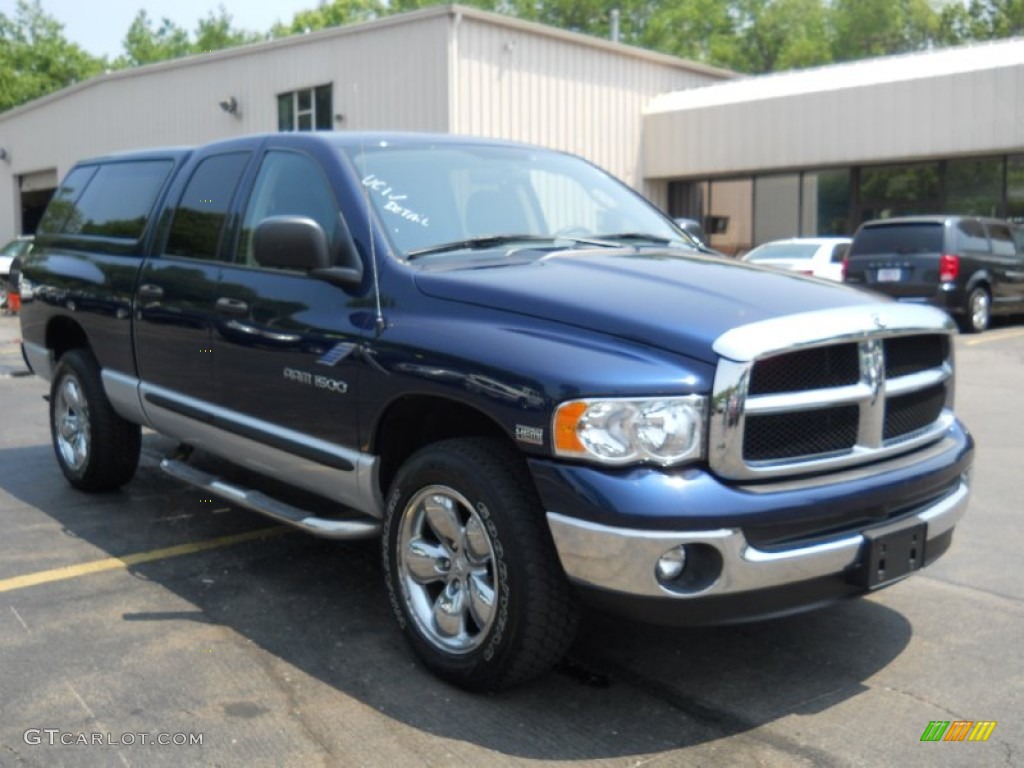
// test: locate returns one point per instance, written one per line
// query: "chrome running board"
(359, 528)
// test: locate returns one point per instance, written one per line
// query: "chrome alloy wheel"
(979, 310)
(71, 418)
(446, 567)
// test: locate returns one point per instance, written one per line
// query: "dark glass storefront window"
(826, 203)
(900, 190)
(1015, 188)
(975, 186)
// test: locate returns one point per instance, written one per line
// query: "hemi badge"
(532, 435)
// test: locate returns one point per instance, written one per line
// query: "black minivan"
(970, 266)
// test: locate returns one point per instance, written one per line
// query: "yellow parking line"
(113, 563)
(1009, 333)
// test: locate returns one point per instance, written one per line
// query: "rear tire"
(471, 571)
(977, 311)
(96, 449)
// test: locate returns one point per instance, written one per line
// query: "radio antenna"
(379, 320)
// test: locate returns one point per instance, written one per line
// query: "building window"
(975, 186)
(776, 207)
(309, 109)
(1015, 188)
(900, 190)
(826, 203)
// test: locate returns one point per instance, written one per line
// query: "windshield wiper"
(620, 236)
(477, 243)
(492, 241)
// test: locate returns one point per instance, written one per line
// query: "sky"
(99, 26)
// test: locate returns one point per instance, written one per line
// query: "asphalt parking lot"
(156, 614)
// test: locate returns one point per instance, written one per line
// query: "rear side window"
(839, 252)
(117, 200)
(200, 214)
(1002, 240)
(898, 238)
(63, 202)
(970, 236)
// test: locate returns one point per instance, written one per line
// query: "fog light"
(670, 565)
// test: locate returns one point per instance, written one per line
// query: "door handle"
(150, 292)
(232, 307)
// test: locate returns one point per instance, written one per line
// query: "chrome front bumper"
(623, 560)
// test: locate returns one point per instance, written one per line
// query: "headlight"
(663, 430)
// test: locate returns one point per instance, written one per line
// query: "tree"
(36, 58)
(866, 28)
(333, 14)
(215, 33)
(981, 20)
(780, 34)
(702, 30)
(144, 44)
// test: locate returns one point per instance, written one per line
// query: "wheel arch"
(412, 422)
(64, 334)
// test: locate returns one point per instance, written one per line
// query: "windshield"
(15, 248)
(461, 196)
(772, 251)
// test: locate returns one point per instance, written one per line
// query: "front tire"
(471, 571)
(96, 449)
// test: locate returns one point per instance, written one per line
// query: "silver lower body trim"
(623, 560)
(356, 487)
(40, 359)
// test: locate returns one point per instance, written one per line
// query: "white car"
(818, 256)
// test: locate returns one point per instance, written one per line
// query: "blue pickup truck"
(531, 385)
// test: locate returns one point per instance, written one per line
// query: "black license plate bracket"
(889, 556)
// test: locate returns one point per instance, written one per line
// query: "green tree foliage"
(865, 28)
(700, 30)
(772, 35)
(146, 43)
(215, 33)
(981, 20)
(36, 58)
(332, 14)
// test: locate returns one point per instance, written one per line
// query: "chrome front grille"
(830, 389)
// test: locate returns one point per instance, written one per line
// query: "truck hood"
(680, 303)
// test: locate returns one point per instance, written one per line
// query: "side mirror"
(291, 242)
(299, 243)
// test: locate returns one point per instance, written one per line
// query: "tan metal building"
(447, 68)
(818, 151)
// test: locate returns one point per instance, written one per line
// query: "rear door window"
(899, 239)
(199, 217)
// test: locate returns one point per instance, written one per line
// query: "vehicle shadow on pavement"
(320, 607)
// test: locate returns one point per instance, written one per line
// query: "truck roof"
(349, 139)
